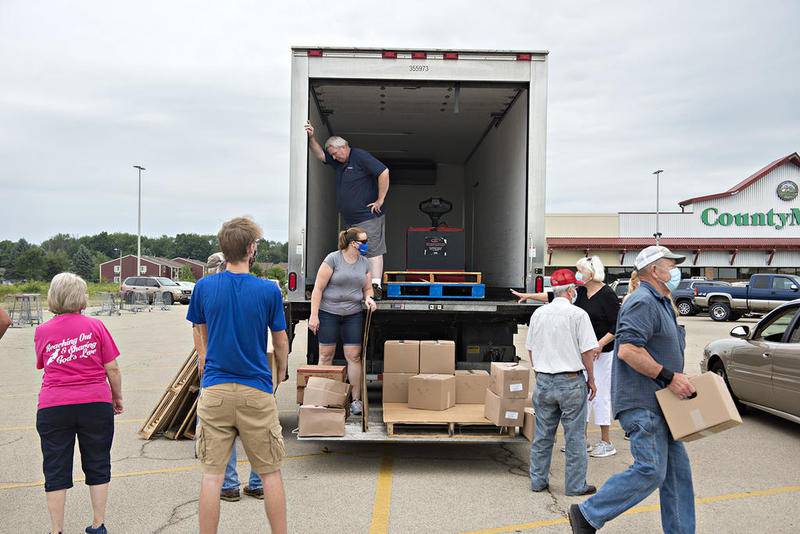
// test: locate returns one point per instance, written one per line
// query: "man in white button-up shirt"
(561, 343)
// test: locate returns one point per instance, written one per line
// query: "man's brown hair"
(235, 236)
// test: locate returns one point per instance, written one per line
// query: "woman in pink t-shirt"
(81, 392)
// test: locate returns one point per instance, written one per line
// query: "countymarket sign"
(776, 219)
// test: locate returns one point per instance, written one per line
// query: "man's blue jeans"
(560, 397)
(659, 462)
(232, 477)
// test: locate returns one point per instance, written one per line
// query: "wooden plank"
(364, 392)
(430, 277)
(164, 410)
(189, 420)
(399, 412)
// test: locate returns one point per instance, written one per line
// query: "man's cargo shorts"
(227, 410)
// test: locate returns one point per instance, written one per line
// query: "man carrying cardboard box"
(649, 356)
(561, 344)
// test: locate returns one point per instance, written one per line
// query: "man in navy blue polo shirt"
(648, 357)
(362, 183)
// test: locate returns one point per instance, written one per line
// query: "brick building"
(197, 267)
(117, 270)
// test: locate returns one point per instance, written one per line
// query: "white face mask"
(574, 298)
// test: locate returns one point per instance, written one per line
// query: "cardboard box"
(321, 421)
(471, 386)
(334, 372)
(711, 411)
(528, 421)
(437, 357)
(395, 387)
(509, 380)
(326, 392)
(432, 392)
(401, 356)
(503, 412)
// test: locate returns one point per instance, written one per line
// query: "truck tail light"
(292, 281)
(419, 55)
(389, 54)
(538, 285)
(450, 55)
(314, 53)
(523, 57)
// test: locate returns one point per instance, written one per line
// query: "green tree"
(185, 274)
(195, 246)
(256, 270)
(30, 264)
(85, 266)
(277, 273)
(56, 262)
(61, 243)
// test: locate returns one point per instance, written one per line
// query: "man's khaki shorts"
(376, 234)
(227, 410)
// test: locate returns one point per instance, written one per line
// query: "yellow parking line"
(643, 509)
(162, 471)
(33, 427)
(383, 498)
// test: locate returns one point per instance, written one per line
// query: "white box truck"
(468, 126)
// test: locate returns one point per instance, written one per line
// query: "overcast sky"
(198, 92)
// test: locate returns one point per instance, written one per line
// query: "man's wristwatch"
(666, 375)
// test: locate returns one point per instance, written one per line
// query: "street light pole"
(657, 235)
(139, 229)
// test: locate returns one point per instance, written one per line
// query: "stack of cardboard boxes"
(507, 394)
(325, 398)
(423, 375)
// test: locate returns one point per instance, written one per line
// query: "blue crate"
(410, 290)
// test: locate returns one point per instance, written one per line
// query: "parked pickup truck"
(763, 293)
(684, 295)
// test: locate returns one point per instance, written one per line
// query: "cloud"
(198, 92)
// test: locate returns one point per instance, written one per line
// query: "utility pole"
(657, 235)
(139, 229)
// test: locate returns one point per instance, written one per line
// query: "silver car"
(762, 366)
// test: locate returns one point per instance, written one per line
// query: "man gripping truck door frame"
(362, 183)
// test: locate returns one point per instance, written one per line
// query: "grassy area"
(7, 292)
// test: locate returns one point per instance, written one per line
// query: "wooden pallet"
(431, 277)
(461, 419)
(436, 290)
(169, 403)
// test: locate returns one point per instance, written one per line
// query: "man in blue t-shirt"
(362, 183)
(232, 311)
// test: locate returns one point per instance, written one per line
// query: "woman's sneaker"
(356, 407)
(99, 530)
(603, 449)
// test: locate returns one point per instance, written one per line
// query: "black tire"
(719, 311)
(685, 308)
(168, 299)
(718, 368)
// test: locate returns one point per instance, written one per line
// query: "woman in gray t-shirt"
(342, 284)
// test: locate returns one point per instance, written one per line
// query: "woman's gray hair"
(216, 262)
(561, 291)
(67, 294)
(336, 142)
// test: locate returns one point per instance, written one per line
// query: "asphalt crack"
(178, 515)
(10, 442)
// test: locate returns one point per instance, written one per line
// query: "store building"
(752, 227)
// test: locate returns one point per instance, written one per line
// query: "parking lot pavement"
(746, 479)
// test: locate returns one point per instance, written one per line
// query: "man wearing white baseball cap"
(649, 356)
